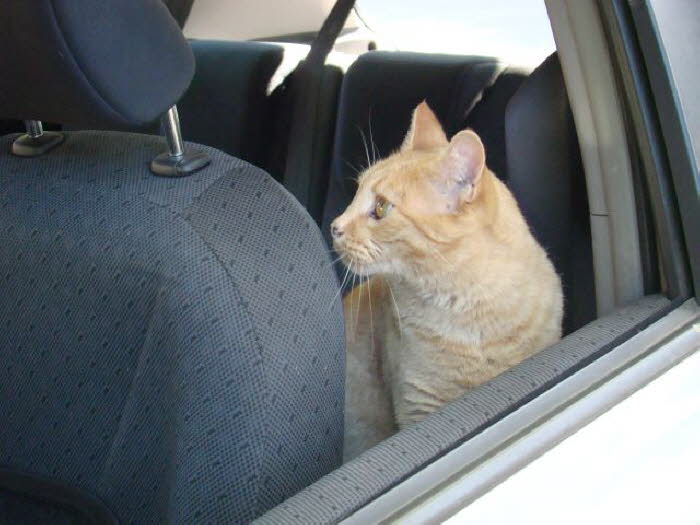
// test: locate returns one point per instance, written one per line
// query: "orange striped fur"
(458, 290)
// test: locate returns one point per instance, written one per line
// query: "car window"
(517, 31)
(257, 19)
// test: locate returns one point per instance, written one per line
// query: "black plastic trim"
(681, 159)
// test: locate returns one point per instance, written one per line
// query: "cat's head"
(413, 206)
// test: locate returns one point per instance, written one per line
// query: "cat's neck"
(447, 293)
(463, 273)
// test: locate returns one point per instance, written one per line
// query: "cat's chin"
(354, 267)
(367, 270)
(362, 270)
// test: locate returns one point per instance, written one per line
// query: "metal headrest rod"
(36, 141)
(176, 162)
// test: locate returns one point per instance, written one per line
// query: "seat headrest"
(91, 62)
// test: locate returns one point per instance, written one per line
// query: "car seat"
(171, 347)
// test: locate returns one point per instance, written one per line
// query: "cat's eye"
(381, 208)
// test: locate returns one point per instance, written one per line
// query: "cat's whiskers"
(364, 143)
(376, 249)
(396, 307)
(334, 261)
(340, 288)
(365, 253)
(371, 138)
(354, 168)
(352, 322)
(371, 322)
(352, 284)
(359, 301)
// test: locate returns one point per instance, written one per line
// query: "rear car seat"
(226, 106)
(231, 105)
(527, 130)
(171, 349)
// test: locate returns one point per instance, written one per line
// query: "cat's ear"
(461, 169)
(425, 131)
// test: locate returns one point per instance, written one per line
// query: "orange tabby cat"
(459, 289)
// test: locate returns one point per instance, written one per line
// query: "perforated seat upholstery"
(167, 345)
(171, 349)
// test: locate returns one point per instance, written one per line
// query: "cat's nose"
(335, 231)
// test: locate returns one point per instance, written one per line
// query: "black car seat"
(171, 349)
(227, 104)
(546, 176)
(527, 129)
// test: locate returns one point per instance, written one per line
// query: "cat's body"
(458, 292)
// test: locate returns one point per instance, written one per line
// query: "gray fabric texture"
(172, 346)
(363, 479)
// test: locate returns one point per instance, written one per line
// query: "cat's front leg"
(368, 412)
(414, 403)
(419, 388)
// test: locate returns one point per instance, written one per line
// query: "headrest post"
(34, 128)
(171, 126)
(176, 162)
(36, 141)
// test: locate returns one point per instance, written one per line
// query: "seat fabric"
(20, 509)
(171, 347)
